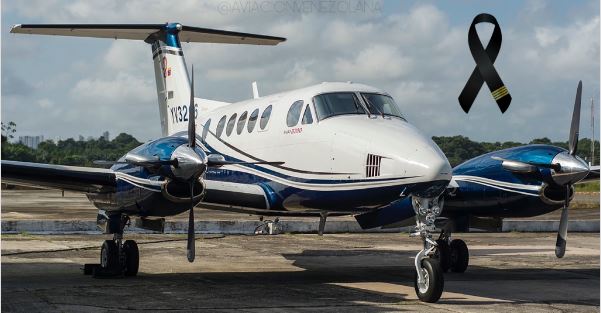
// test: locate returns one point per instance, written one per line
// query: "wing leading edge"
(75, 178)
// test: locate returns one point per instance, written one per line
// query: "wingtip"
(14, 28)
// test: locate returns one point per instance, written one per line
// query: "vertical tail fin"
(171, 76)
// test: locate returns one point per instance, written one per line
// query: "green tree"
(8, 131)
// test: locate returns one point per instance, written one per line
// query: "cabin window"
(294, 113)
(307, 117)
(252, 120)
(338, 103)
(265, 117)
(382, 105)
(220, 126)
(205, 129)
(230, 124)
(241, 122)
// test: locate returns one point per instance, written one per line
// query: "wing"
(83, 179)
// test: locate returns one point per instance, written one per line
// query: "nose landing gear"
(429, 277)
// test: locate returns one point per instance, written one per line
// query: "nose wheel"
(429, 289)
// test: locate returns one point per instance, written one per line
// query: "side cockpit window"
(294, 113)
(265, 117)
(307, 117)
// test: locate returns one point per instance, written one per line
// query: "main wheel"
(109, 255)
(431, 289)
(443, 254)
(460, 256)
(132, 258)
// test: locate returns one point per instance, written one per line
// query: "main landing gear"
(453, 254)
(117, 257)
(437, 256)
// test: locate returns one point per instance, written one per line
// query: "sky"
(417, 51)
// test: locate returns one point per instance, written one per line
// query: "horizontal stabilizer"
(142, 31)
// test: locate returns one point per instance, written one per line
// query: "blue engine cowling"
(135, 198)
(483, 187)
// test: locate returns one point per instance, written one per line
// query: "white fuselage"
(339, 153)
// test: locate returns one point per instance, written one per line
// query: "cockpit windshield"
(381, 105)
(338, 103)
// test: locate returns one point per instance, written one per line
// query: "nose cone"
(414, 155)
(432, 168)
(572, 169)
(190, 162)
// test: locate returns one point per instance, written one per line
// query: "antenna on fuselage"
(255, 90)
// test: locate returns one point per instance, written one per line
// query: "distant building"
(89, 138)
(80, 138)
(105, 135)
(31, 141)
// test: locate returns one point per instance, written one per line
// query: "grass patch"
(588, 187)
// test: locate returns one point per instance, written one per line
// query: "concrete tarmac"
(509, 272)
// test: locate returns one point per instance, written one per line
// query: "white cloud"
(45, 103)
(117, 90)
(419, 55)
(378, 62)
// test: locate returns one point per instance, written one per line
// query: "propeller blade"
(192, 115)
(191, 245)
(562, 234)
(575, 127)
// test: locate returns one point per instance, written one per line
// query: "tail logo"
(166, 69)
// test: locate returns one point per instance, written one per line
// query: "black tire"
(435, 281)
(109, 255)
(443, 254)
(132, 258)
(460, 256)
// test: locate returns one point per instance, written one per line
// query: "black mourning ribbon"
(485, 70)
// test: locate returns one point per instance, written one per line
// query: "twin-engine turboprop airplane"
(328, 149)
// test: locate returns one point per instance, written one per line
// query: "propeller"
(562, 233)
(566, 170)
(191, 244)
